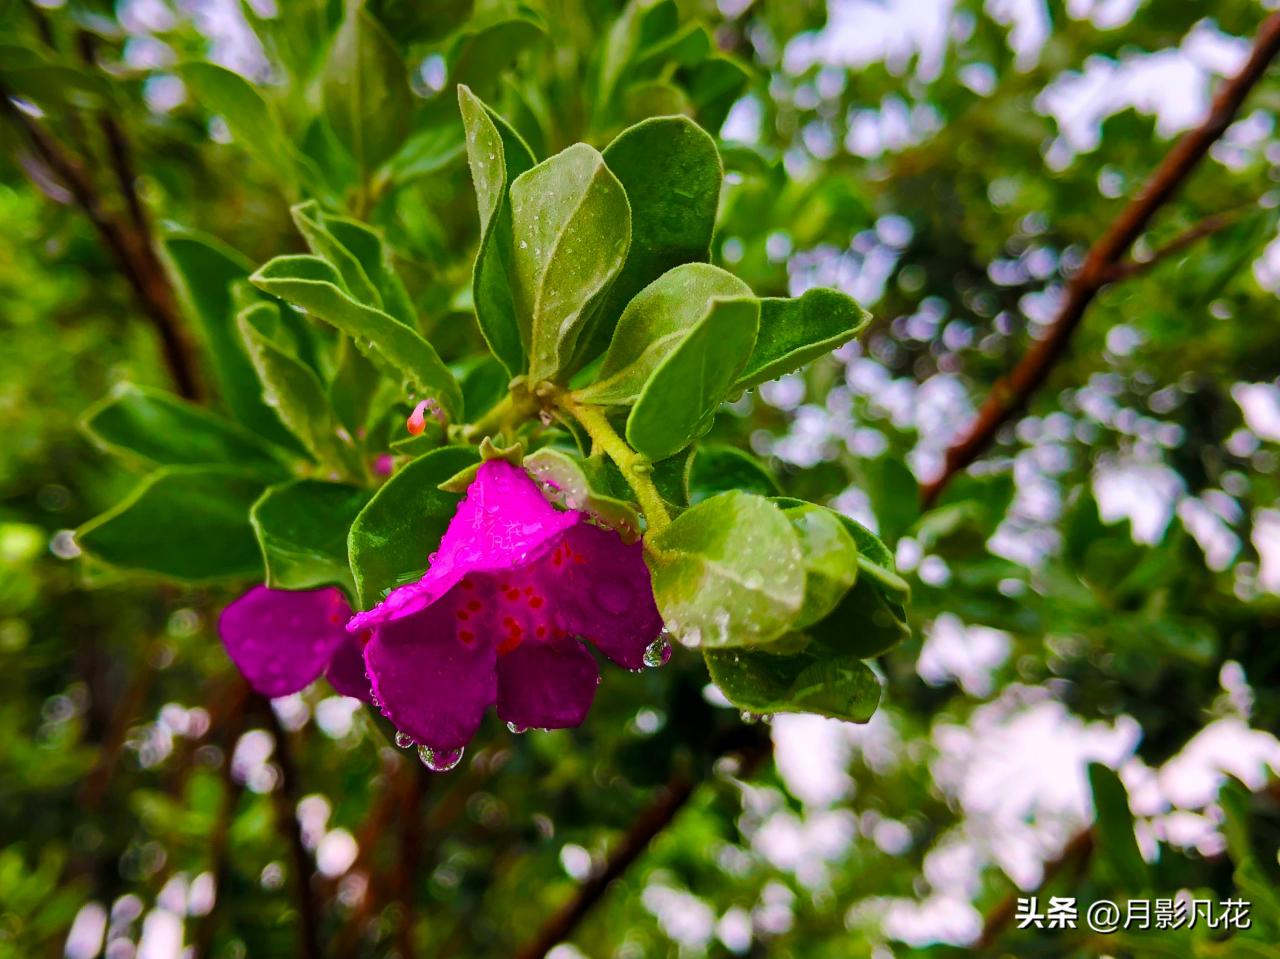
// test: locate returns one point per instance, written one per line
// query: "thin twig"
(220, 834)
(118, 151)
(652, 821)
(1077, 850)
(137, 259)
(1010, 394)
(286, 803)
(412, 790)
(1207, 227)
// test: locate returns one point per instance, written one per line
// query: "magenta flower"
(281, 641)
(497, 617)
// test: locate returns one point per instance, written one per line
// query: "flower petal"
(503, 524)
(546, 685)
(603, 593)
(433, 680)
(282, 640)
(346, 669)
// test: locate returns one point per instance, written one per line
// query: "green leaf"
(497, 156)
(717, 468)
(161, 430)
(565, 481)
(302, 530)
(411, 21)
(572, 228)
(183, 523)
(205, 270)
(795, 331)
(484, 384)
(361, 258)
(714, 85)
(865, 623)
(402, 525)
(679, 400)
(427, 151)
(310, 221)
(373, 253)
(314, 285)
(870, 619)
(643, 24)
(830, 561)
(294, 391)
(56, 84)
(1115, 840)
(366, 91)
(485, 48)
(671, 172)
(655, 324)
(728, 572)
(250, 118)
(762, 682)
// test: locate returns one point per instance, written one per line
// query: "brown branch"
(220, 835)
(1215, 223)
(134, 253)
(286, 803)
(1077, 850)
(652, 821)
(1010, 394)
(413, 788)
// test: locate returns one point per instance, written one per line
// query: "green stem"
(512, 410)
(635, 468)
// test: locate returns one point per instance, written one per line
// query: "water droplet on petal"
(439, 760)
(516, 729)
(658, 652)
(403, 739)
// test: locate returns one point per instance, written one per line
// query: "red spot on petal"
(513, 594)
(474, 605)
(466, 635)
(540, 632)
(467, 584)
(462, 615)
(535, 601)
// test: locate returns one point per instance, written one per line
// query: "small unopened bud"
(417, 421)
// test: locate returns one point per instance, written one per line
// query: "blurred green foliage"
(119, 710)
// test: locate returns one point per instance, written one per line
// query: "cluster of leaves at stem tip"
(613, 345)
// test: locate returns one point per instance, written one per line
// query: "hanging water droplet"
(748, 717)
(439, 760)
(515, 729)
(658, 652)
(403, 739)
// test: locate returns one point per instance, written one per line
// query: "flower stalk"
(635, 468)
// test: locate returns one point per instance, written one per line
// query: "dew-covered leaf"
(654, 325)
(681, 396)
(759, 681)
(794, 332)
(497, 155)
(571, 229)
(728, 572)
